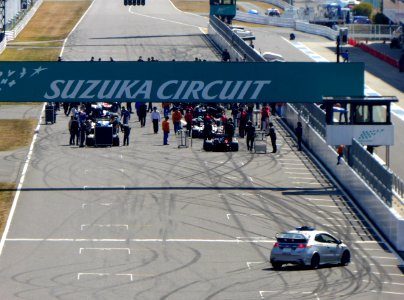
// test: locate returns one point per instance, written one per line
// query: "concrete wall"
(387, 220)
(222, 43)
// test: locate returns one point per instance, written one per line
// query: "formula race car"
(220, 143)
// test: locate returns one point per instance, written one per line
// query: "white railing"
(288, 22)
(12, 34)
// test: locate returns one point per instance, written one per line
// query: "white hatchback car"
(307, 246)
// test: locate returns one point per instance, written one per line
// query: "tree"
(363, 9)
(379, 18)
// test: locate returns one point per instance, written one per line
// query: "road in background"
(157, 222)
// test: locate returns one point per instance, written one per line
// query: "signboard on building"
(178, 81)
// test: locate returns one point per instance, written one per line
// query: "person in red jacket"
(166, 130)
(176, 117)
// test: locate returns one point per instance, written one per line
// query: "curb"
(391, 61)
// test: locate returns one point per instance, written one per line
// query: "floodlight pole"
(338, 48)
(2, 19)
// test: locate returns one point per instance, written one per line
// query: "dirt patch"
(15, 134)
(7, 191)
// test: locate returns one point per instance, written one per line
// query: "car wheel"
(276, 265)
(345, 258)
(315, 261)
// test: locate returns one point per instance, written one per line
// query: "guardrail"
(279, 3)
(299, 25)
(12, 34)
(368, 167)
(370, 31)
(398, 186)
(245, 51)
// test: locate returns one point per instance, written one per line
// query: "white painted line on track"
(297, 173)
(286, 293)
(126, 226)
(84, 205)
(243, 215)
(162, 19)
(322, 205)
(19, 187)
(103, 274)
(385, 292)
(292, 164)
(91, 274)
(319, 199)
(378, 273)
(74, 28)
(384, 257)
(104, 249)
(301, 182)
(245, 240)
(301, 177)
(249, 263)
(386, 282)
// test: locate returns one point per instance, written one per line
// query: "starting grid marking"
(104, 225)
(81, 250)
(103, 274)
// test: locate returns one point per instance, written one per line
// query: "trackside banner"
(178, 81)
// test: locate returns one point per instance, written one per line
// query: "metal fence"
(370, 170)
(313, 115)
(370, 31)
(398, 186)
(235, 41)
(183, 138)
(381, 180)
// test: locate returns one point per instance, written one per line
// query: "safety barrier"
(369, 168)
(398, 186)
(391, 61)
(222, 35)
(279, 3)
(370, 31)
(388, 221)
(12, 34)
(299, 25)
(376, 175)
(183, 138)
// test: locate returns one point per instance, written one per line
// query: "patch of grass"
(194, 6)
(15, 134)
(7, 191)
(53, 20)
(29, 54)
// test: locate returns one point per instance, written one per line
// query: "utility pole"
(2, 19)
(338, 48)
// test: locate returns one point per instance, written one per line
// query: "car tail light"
(301, 246)
(276, 245)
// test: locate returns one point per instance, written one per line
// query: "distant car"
(243, 33)
(307, 246)
(273, 57)
(253, 12)
(220, 143)
(361, 20)
(273, 12)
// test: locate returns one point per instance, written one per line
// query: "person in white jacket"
(156, 118)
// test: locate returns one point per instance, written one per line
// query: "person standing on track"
(272, 135)
(176, 117)
(166, 130)
(155, 117)
(250, 135)
(299, 135)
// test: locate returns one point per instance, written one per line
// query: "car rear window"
(291, 238)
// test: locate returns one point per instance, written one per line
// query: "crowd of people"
(233, 118)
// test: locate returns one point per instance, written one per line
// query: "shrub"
(362, 9)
